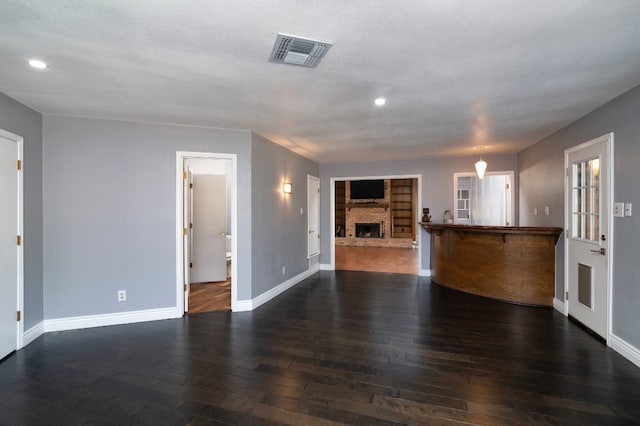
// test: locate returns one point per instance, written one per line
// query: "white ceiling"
(456, 73)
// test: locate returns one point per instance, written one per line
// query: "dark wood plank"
(342, 347)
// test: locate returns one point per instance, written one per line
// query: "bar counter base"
(512, 264)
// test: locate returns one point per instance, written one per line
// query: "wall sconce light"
(286, 188)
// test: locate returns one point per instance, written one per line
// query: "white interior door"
(9, 230)
(209, 235)
(313, 216)
(589, 209)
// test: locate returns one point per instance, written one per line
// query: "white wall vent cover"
(298, 51)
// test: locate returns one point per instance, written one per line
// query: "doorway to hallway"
(207, 231)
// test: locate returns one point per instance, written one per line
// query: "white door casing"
(588, 198)
(209, 228)
(182, 222)
(313, 216)
(187, 240)
(11, 266)
(500, 205)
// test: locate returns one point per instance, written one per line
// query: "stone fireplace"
(368, 230)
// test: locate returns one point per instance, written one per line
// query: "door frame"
(608, 139)
(510, 173)
(181, 156)
(332, 215)
(316, 180)
(19, 140)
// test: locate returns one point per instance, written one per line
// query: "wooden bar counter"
(514, 264)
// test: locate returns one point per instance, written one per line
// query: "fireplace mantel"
(367, 205)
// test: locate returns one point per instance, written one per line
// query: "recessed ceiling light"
(38, 64)
(380, 101)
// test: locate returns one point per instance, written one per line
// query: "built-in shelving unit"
(402, 208)
(340, 214)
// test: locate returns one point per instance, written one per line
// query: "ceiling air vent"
(298, 51)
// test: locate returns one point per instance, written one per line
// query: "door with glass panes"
(588, 240)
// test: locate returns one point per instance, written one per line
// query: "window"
(483, 202)
(585, 210)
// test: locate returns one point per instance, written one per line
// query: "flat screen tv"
(367, 189)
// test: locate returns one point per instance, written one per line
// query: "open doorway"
(206, 210)
(488, 201)
(375, 224)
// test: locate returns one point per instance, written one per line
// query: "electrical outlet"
(546, 210)
(284, 269)
(535, 211)
(618, 209)
(122, 295)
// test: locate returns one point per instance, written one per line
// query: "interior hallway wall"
(279, 229)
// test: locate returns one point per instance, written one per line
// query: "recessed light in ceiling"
(380, 101)
(38, 64)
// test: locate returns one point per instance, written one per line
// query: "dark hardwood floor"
(347, 347)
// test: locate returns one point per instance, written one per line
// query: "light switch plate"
(627, 209)
(618, 209)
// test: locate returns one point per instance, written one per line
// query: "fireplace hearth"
(368, 230)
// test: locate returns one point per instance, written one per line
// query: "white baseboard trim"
(73, 323)
(559, 306)
(424, 272)
(326, 267)
(33, 333)
(250, 305)
(624, 348)
(243, 306)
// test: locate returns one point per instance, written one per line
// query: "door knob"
(222, 234)
(602, 251)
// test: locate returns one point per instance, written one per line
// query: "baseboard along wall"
(251, 304)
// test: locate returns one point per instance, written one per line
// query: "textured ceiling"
(456, 73)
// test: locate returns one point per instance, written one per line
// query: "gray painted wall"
(278, 231)
(110, 212)
(437, 187)
(542, 183)
(23, 121)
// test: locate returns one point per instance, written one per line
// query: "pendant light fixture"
(481, 165)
